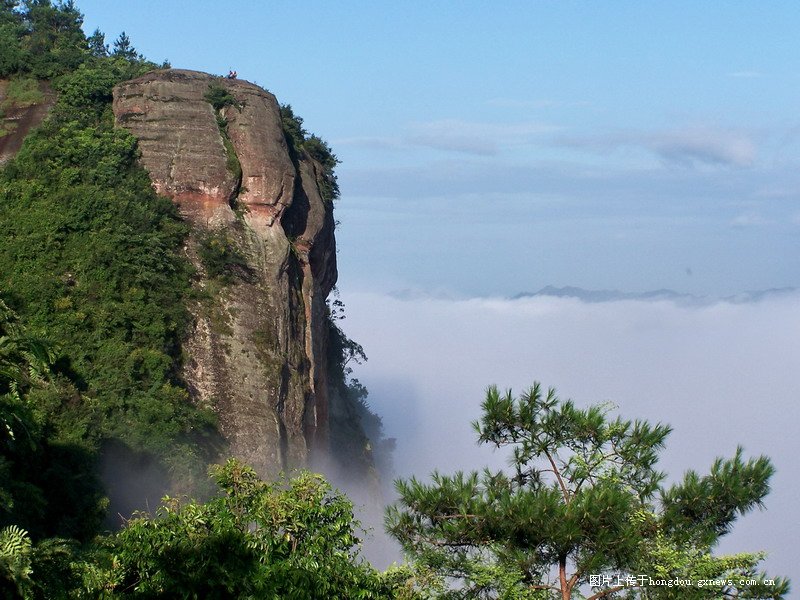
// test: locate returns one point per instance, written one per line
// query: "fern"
(15, 557)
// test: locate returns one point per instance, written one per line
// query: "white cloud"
(687, 146)
(704, 145)
(454, 135)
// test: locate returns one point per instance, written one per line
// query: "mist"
(722, 374)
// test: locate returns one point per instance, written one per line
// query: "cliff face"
(256, 352)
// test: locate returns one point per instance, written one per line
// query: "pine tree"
(583, 508)
(123, 48)
(97, 44)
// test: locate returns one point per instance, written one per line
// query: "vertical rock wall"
(256, 352)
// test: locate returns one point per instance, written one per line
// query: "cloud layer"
(722, 375)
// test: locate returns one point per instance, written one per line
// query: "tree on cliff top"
(301, 144)
(583, 505)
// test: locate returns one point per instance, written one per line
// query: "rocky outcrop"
(256, 352)
(17, 119)
(268, 175)
(181, 143)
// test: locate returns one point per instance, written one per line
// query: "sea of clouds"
(722, 374)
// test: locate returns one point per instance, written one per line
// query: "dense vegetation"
(40, 40)
(90, 261)
(47, 480)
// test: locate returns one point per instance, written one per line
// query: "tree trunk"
(566, 588)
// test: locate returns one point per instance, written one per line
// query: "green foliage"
(13, 57)
(56, 42)
(46, 481)
(123, 48)
(105, 281)
(44, 40)
(231, 160)
(290, 538)
(701, 509)
(86, 92)
(667, 559)
(91, 259)
(292, 129)
(61, 568)
(97, 44)
(219, 97)
(22, 92)
(287, 539)
(320, 151)
(40, 38)
(357, 436)
(583, 498)
(303, 146)
(15, 561)
(222, 259)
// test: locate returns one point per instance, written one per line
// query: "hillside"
(169, 235)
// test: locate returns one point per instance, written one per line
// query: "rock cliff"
(256, 351)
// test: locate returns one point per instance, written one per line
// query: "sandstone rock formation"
(256, 352)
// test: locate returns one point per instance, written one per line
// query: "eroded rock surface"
(181, 143)
(17, 121)
(254, 127)
(257, 348)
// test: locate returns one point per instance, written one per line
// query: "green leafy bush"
(90, 258)
(219, 97)
(292, 129)
(286, 539)
(15, 561)
(47, 483)
(222, 259)
(41, 38)
(312, 147)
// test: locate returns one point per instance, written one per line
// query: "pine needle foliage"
(582, 500)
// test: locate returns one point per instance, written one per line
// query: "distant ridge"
(593, 296)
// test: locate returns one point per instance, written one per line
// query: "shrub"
(222, 259)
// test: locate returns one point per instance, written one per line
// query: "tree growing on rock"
(582, 512)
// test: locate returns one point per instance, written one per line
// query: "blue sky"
(491, 148)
